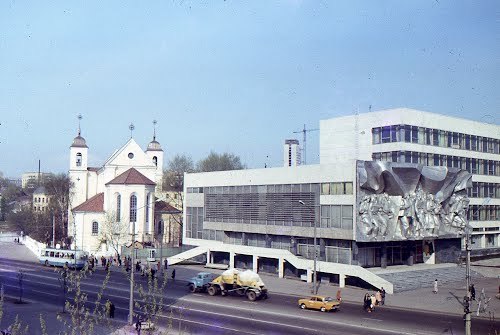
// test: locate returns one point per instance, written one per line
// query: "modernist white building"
(109, 200)
(412, 136)
(265, 218)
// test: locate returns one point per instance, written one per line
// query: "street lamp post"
(315, 286)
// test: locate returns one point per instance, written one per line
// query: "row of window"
(435, 137)
(472, 165)
(484, 190)
(483, 213)
(336, 216)
(40, 208)
(133, 207)
(491, 241)
(42, 200)
(486, 229)
(336, 188)
(277, 188)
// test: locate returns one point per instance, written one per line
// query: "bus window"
(72, 256)
(51, 254)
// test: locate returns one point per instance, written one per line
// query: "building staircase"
(343, 270)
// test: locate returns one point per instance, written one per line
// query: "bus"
(60, 257)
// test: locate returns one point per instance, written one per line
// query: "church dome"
(79, 142)
(154, 145)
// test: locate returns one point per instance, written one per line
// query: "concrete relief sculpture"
(398, 201)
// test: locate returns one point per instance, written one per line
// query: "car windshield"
(328, 299)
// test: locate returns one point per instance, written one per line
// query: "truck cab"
(200, 282)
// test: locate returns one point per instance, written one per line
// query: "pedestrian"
(158, 266)
(378, 298)
(119, 261)
(382, 293)
(373, 301)
(138, 325)
(173, 274)
(472, 292)
(111, 310)
(166, 263)
(138, 266)
(367, 303)
(339, 295)
(102, 261)
(435, 290)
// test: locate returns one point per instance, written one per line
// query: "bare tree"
(112, 232)
(220, 162)
(59, 188)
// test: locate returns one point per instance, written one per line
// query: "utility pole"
(54, 231)
(131, 300)
(304, 132)
(315, 286)
(467, 298)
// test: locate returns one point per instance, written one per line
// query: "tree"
(114, 233)
(220, 162)
(58, 188)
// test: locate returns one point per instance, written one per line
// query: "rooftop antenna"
(154, 129)
(304, 132)
(80, 117)
(131, 127)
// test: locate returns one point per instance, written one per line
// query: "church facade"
(111, 202)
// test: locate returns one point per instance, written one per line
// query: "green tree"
(219, 162)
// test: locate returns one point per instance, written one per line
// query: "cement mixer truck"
(233, 281)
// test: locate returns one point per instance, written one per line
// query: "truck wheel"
(212, 290)
(192, 288)
(251, 295)
(323, 309)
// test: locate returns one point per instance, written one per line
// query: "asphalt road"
(199, 313)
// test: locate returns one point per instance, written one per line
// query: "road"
(202, 314)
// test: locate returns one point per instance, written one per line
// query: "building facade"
(113, 201)
(291, 153)
(356, 202)
(411, 136)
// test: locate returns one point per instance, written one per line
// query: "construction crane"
(304, 132)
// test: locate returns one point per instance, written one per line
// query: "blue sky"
(229, 75)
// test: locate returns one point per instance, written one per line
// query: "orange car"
(322, 303)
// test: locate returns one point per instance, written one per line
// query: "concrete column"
(383, 256)
(309, 275)
(281, 268)
(255, 263)
(341, 280)
(209, 257)
(231, 260)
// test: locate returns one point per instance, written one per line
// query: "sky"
(231, 76)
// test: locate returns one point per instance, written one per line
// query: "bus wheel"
(46, 263)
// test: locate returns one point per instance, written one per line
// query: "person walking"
(366, 303)
(111, 310)
(339, 295)
(158, 266)
(472, 292)
(173, 274)
(165, 262)
(435, 290)
(373, 301)
(382, 293)
(378, 298)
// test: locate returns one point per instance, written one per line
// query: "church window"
(159, 227)
(130, 155)
(78, 159)
(95, 228)
(148, 200)
(118, 207)
(155, 161)
(133, 208)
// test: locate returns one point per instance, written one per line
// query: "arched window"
(148, 200)
(133, 208)
(78, 159)
(118, 207)
(155, 161)
(95, 228)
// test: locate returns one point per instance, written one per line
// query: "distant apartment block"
(291, 153)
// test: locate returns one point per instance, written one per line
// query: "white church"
(108, 202)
